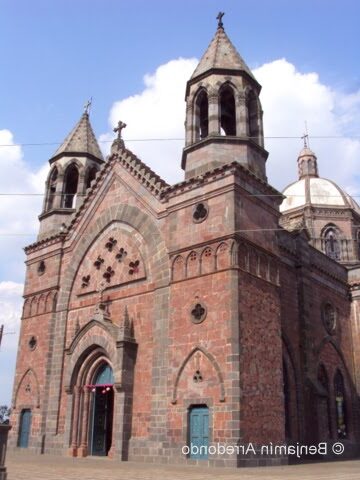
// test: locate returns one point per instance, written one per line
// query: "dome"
(316, 191)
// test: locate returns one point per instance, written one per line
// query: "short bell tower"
(223, 112)
(72, 168)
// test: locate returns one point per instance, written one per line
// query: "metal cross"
(121, 125)
(305, 137)
(219, 19)
(87, 106)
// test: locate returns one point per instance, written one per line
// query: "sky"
(133, 59)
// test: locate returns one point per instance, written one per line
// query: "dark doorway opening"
(102, 420)
(102, 411)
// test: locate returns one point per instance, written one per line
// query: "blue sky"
(57, 54)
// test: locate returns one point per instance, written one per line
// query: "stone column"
(117, 446)
(189, 125)
(214, 111)
(58, 193)
(75, 421)
(4, 430)
(80, 189)
(83, 449)
(241, 115)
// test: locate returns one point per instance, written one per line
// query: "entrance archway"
(102, 411)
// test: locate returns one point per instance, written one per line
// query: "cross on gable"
(120, 126)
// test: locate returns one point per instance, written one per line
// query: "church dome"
(311, 189)
(316, 191)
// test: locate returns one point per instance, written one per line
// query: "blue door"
(24, 430)
(199, 432)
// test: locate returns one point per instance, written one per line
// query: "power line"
(256, 195)
(245, 230)
(272, 137)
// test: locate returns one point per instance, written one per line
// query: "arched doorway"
(102, 410)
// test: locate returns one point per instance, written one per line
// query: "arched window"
(90, 175)
(332, 245)
(70, 186)
(201, 115)
(324, 410)
(340, 402)
(52, 188)
(104, 375)
(227, 112)
(253, 116)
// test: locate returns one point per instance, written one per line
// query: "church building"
(216, 311)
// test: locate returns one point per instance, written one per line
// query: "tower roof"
(221, 54)
(81, 139)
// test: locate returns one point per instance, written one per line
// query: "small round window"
(198, 313)
(200, 212)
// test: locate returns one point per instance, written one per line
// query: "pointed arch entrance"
(92, 404)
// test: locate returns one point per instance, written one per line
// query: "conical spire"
(221, 55)
(81, 139)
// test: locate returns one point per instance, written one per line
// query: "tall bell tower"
(223, 112)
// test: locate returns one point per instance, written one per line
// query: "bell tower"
(72, 168)
(223, 112)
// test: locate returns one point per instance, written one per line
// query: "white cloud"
(157, 112)
(18, 213)
(10, 304)
(10, 314)
(288, 97)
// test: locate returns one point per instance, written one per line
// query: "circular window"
(198, 313)
(32, 343)
(329, 317)
(41, 267)
(200, 212)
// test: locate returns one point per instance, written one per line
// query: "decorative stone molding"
(32, 343)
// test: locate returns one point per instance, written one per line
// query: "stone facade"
(192, 294)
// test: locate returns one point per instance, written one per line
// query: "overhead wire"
(170, 139)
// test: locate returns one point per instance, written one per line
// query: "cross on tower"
(87, 106)
(120, 126)
(219, 19)
(305, 137)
